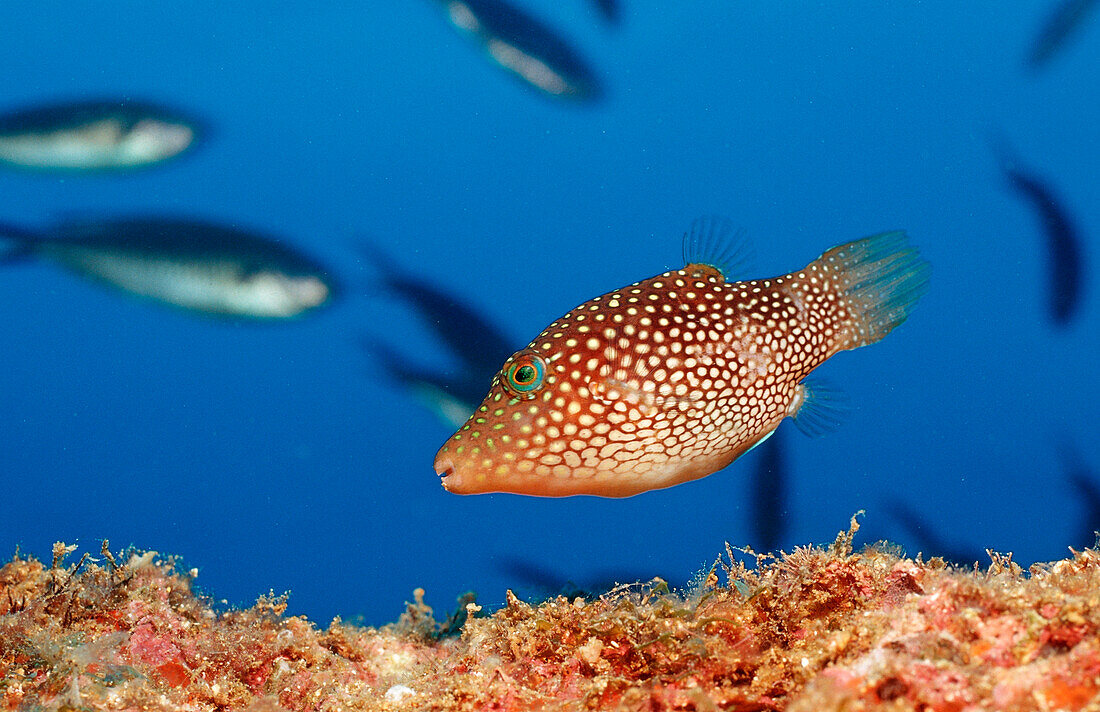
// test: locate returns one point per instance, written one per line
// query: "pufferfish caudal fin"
(876, 282)
(873, 284)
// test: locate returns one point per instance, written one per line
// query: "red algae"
(817, 629)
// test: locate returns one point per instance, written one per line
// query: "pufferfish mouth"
(444, 467)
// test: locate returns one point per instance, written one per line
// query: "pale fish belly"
(78, 149)
(216, 288)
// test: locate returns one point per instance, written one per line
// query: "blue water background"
(278, 456)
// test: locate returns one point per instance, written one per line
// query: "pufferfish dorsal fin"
(715, 241)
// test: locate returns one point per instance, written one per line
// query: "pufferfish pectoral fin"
(715, 241)
(819, 408)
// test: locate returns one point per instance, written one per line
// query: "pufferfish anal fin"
(715, 241)
(819, 408)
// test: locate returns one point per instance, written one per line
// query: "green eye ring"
(525, 374)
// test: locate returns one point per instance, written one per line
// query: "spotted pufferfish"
(674, 377)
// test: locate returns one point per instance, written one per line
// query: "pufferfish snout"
(672, 378)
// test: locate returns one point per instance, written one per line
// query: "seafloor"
(816, 629)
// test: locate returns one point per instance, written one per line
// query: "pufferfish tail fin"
(879, 280)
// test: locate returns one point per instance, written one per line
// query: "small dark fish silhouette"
(932, 543)
(611, 10)
(1066, 273)
(543, 583)
(476, 341)
(471, 336)
(526, 47)
(450, 394)
(1061, 24)
(769, 494)
(94, 135)
(195, 265)
(1087, 486)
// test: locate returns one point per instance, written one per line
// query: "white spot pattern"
(665, 393)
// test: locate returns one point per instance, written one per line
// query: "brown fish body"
(663, 381)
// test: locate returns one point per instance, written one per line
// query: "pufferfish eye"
(525, 375)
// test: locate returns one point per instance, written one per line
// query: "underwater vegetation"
(820, 628)
(488, 187)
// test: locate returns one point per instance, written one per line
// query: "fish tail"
(877, 281)
(16, 243)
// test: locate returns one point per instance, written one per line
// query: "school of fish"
(661, 382)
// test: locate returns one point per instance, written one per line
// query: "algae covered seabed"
(821, 628)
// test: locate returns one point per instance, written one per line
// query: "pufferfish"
(672, 378)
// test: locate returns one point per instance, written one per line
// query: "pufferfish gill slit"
(674, 377)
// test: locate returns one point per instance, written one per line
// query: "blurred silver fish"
(1063, 22)
(526, 47)
(94, 135)
(195, 265)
